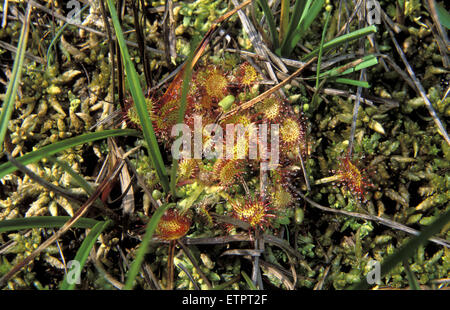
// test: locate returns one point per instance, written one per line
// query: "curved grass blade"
(357, 65)
(76, 177)
(343, 39)
(284, 19)
(319, 62)
(354, 66)
(84, 250)
(357, 83)
(322, 41)
(270, 22)
(58, 35)
(309, 14)
(43, 222)
(413, 283)
(54, 148)
(136, 265)
(297, 13)
(135, 88)
(11, 92)
(181, 113)
(444, 15)
(408, 249)
(248, 281)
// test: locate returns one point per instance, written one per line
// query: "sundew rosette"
(172, 225)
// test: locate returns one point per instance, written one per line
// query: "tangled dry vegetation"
(362, 168)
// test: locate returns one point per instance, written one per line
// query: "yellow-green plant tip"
(227, 102)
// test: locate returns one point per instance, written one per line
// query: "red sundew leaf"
(353, 178)
(172, 225)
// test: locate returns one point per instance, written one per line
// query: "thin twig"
(256, 40)
(381, 220)
(13, 49)
(443, 42)
(250, 103)
(49, 186)
(419, 88)
(98, 265)
(151, 275)
(181, 266)
(194, 263)
(111, 50)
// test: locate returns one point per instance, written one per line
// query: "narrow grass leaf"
(343, 39)
(181, 113)
(270, 22)
(284, 19)
(413, 283)
(369, 61)
(319, 59)
(84, 250)
(54, 148)
(76, 177)
(248, 281)
(136, 265)
(58, 35)
(309, 14)
(308, 17)
(408, 250)
(296, 16)
(444, 15)
(43, 222)
(135, 88)
(365, 62)
(353, 82)
(11, 92)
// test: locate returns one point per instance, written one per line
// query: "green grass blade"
(311, 14)
(136, 265)
(270, 22)
(54, 148)
(181, 113)
(369, 61)
(319, 59)
(249, 281)
(413, 283)
(135, 88)
(297, 13)
(43, 222)
(58, 35)
(284, 19)
(408, 250)
(11, 92)
(84, 250)
(444, 15)
(342, 40)
(308, 16)
(319, 63)
(76, 177)
(353, 82)
(366, 62)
